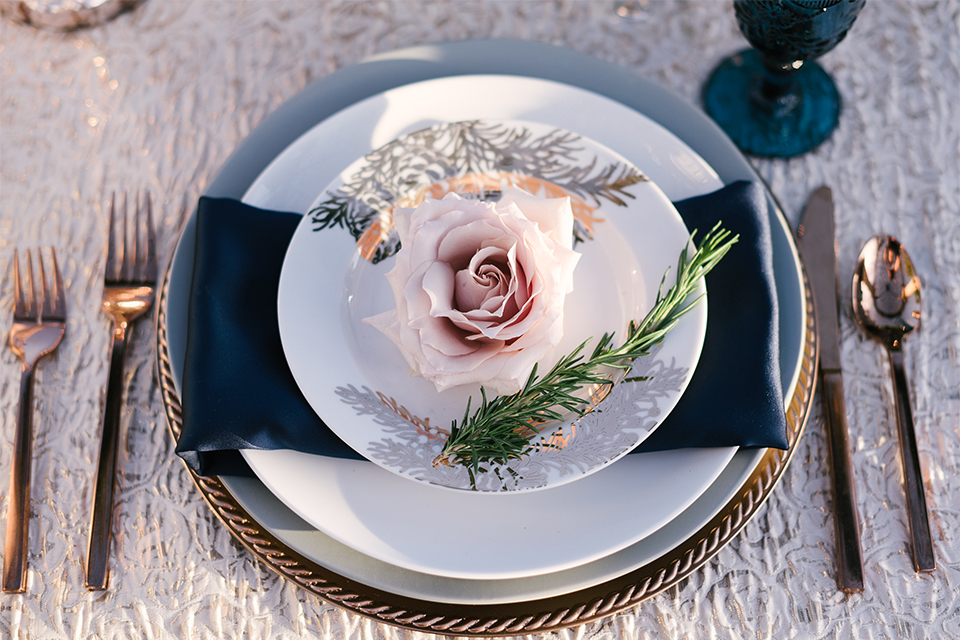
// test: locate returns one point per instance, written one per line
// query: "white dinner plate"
(314, 552)
(628, 237)
(366, 509)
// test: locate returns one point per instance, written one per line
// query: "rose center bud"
(485, 285)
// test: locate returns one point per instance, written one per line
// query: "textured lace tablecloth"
(159, 97)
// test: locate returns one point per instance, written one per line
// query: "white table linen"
(158, 99)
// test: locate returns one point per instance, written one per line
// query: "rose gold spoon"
(886, 303)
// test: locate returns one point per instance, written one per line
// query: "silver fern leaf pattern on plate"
(630, 411)
(401, 172)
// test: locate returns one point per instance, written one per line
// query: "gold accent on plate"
(500, 181)
(422, 425)
(379, 230)
(533, 616)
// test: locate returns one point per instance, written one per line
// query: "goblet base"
(790, 126)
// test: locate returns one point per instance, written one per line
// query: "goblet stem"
(772, 112)
(776, 91)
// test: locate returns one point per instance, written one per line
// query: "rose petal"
(388, 324)
(554, 216)
(458, 245)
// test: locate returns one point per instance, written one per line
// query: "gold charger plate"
(542, 615)
(512, 616)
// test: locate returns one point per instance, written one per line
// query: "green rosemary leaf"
(500, 429)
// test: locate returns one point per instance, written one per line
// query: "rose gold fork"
(38, 327)
(127, 294)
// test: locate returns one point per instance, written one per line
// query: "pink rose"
(480, 287)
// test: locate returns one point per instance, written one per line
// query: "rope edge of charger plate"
(549, 614)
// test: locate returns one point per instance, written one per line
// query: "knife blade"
(817, 243)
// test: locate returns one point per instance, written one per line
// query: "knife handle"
(923, 557)
(849, 554)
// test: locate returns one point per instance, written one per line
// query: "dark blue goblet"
(773, 100)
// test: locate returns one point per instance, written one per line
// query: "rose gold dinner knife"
(818, 247)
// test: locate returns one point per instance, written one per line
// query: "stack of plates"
(402, 549)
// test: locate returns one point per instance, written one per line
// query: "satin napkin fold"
(238, 392)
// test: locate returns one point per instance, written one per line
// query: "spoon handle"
(912, 477)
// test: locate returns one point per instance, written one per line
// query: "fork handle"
(98, 549)
(15, 547)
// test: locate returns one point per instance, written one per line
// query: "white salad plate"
(447, 547)
(636, 529)
(628, 236)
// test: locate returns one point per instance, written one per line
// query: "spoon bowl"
(886, 291)
(886, 304)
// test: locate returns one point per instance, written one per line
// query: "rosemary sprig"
(501, 428)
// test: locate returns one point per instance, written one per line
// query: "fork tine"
(19, 308)
(138, 249)
(150, 268)
(59, 306)
(19, 304)
(112, 269)
(126, 268)
(45, 301)
(33, 310)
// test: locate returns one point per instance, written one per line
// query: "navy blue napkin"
(238, 392)
(735, 396)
